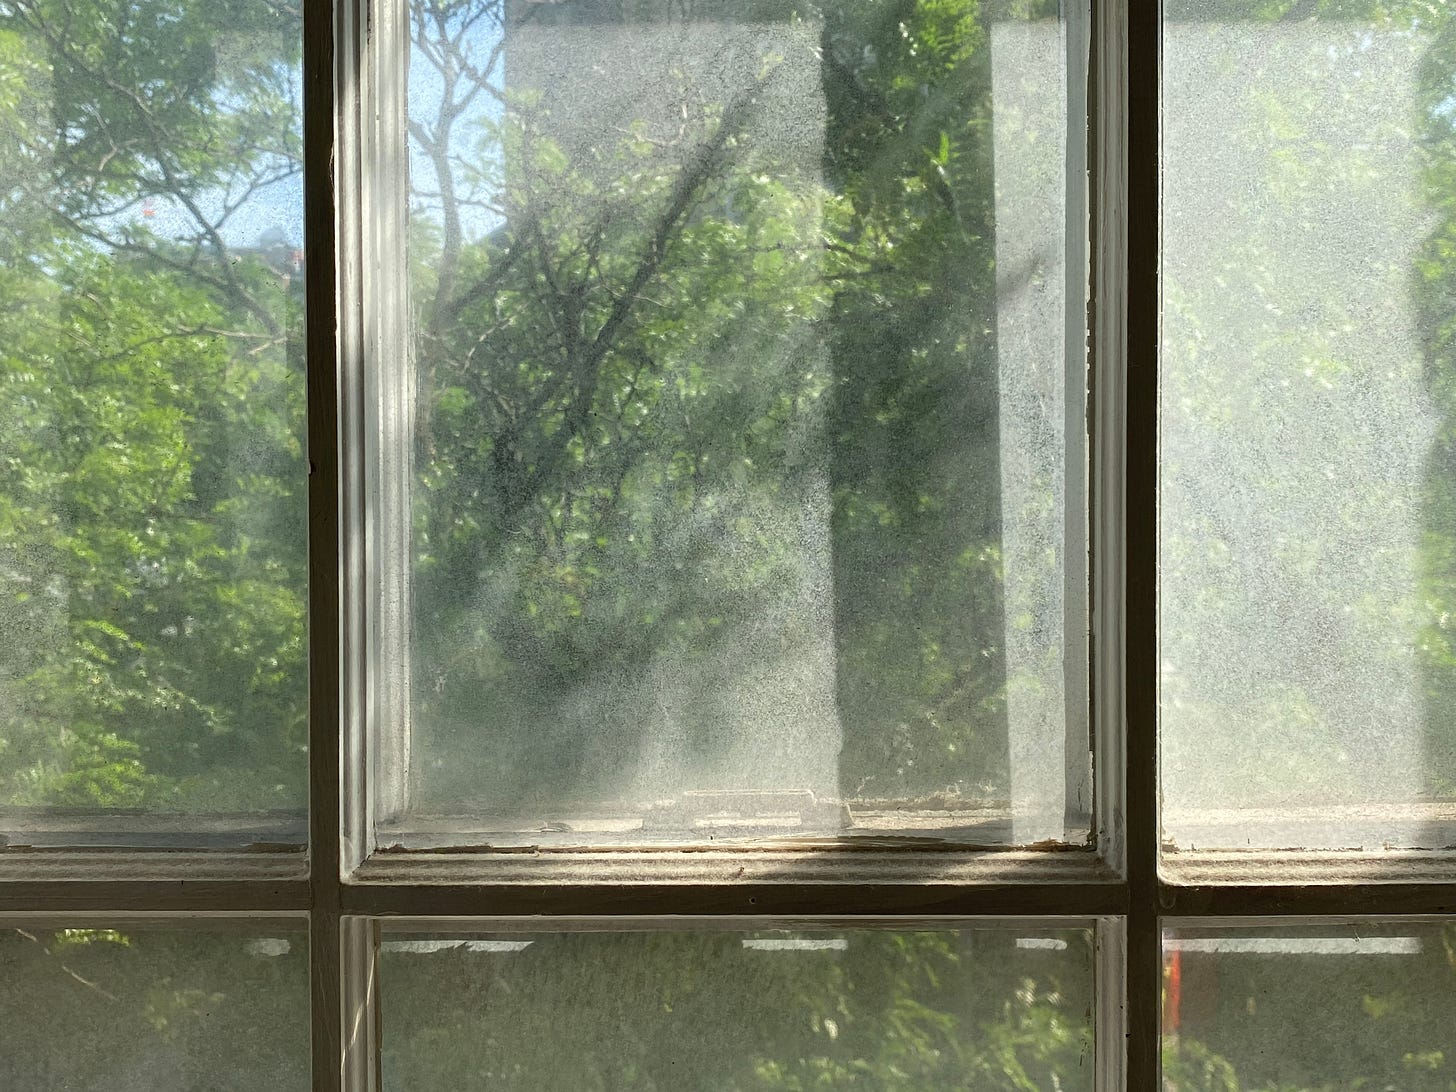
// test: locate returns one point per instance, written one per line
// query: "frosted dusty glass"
(130, 1008)
(152, 474)
(985, 1008)
(740, 484)
(1042, 531)
(1308, 1007)
(1304, 534)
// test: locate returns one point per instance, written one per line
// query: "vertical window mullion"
(1077, 588)
(1106, 336)
(359, 951)
(325, 647)
(1144, 955)
(1106, 120)
(389, 420)
(1110, 1027)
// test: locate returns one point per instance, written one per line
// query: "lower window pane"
(122, 1007)
(1363, 1006)
(658, 1009)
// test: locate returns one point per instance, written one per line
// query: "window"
(727, 417)
(898, 545)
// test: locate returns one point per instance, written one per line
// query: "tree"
(633, 492)
(152, 517)
(901, 1010)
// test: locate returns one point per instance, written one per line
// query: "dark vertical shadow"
(913, 430)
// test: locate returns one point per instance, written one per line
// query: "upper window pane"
(152, 544)
(1308, 496)
(738, 429)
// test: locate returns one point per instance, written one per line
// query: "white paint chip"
(798, 944)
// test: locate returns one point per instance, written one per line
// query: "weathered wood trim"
(185, 897)
(358, 960)
(99, 867)
(695, 901)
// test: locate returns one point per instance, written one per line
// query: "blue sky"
(278, 208)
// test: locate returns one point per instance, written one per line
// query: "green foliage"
(640, 391)
(151, 547)
(155, 1009)
(1280, 334)
(893, 1011)
(158, 574)
(1189, 1066)
(675, 358)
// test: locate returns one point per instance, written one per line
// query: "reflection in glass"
(1307, 492)
(739, 385)
(1309, 1007)
(152, 545)
(129, 1008)
(986, 1007)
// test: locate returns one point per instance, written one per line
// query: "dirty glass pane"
(121, 1007)
(1306, 1007)
(738, 425)
(987, 1007)
(1308, 496)
(152, 552)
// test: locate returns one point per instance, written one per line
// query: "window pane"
(151, 369)
(1308, 494)
(1309, 1007)
(666, 1011)
(739, 452)
(130, 1008)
